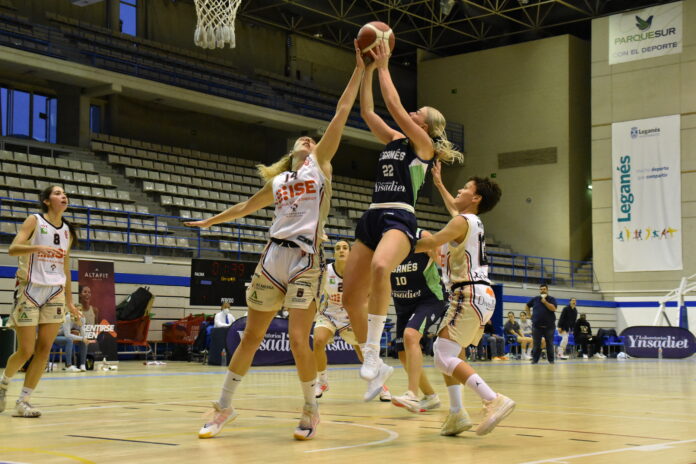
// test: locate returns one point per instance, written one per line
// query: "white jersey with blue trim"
(467, 260)
(40, 268)
(302, 200)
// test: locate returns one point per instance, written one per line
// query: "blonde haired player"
(42, 293)
(333, 318)
(471, 303)
(290, 271)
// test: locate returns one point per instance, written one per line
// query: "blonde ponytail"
(269, 172)
(444, 150)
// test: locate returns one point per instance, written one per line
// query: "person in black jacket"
(591, 346)
(566, 323)
(543, 322)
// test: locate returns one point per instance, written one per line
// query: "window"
(28, 115)
(128, 15)
(95, 118)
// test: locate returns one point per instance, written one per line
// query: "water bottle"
(659, 353)
(223, 357)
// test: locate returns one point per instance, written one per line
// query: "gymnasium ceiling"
(441, 27)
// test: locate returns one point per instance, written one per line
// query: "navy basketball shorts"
(375, 222)
(419, 316)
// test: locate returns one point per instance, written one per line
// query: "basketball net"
(215, 25)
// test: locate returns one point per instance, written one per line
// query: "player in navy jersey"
(419, 301)
(386, 233)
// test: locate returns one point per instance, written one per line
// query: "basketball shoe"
(320, 388)
(371, 365)
(374, 387)
(408, 400)
(456, 423)
(3, 395)
(494, 412)
(385, 395)
(308, 423)
(221, 416)
(24, 409)
(429, 402)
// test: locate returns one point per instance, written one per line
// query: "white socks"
(4, 381)
(476, 383)
(25, 394)
(308, 392)
(232, 381)
(455, 398)
(323, 377)
(375, 327)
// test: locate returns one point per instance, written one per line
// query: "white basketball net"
(215, 26)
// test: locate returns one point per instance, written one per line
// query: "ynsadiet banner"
(97, 296)
(646, 33)
(647, 232)
(646, 342)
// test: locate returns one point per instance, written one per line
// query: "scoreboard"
(215, 281)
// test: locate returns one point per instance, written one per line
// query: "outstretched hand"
(203, 224)
(380, 54)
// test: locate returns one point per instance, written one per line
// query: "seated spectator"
(72, 332)
(514, 333)
(526, 329)
(224, 318)
(496, 344)
(590, 346)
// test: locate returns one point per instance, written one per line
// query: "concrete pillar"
(73, 116)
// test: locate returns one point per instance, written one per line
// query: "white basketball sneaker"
(374, 387)
(320, 388)
(456, 423)
(408, 400)
(308, 423)
(385, 395)
(3, 395)
(220, 417)
(494, 412)
(24, 409)
(371, 364)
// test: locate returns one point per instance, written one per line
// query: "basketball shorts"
(344, 331)
(470, 307)
(375, 222)
(418, 316)
(37, 304)
(286, 277)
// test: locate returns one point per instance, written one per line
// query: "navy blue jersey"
(416, 278)
(400, 174)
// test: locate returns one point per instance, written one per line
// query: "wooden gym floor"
(575, 412)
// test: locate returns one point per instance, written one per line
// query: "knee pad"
(446, 355)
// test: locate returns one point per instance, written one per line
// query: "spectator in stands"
(291, 268)
(566, 323)
(589, 345)
(44, 292)
(224, 318)
(543, 322)
(72, 333)
(90, 313)
(386, 232)
(495, 343)
(514, 333)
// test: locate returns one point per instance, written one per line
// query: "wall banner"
(646, 33)
(97, 296)
(647, 233)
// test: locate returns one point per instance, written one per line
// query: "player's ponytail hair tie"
(437, 139)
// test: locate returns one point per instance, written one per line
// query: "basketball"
(372, 33)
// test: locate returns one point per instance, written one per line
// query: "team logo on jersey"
(23, 317)
(296, 189)
(300, 292)
(332, 281)
(43, 230)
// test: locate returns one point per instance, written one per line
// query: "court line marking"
(124, 439)
(655, 447)
(392, 436)
(52, 453)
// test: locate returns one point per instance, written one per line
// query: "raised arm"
(446, 196)
(418, 136)
(378, 127)
(327, 146)
(456, 229)
(260, 199)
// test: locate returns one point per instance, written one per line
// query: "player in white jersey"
(333, 318)
(471, 303)
(290, 271)
(42, 293)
